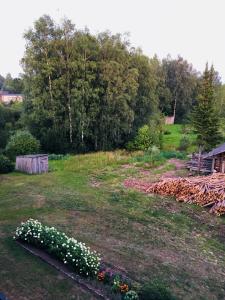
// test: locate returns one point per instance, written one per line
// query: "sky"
(194, 29)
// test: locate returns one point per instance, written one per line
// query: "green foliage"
(155, 290)
(171, 142)
(156, 157)
(13, 85)
(205, 118)
(173, 154)
(179, 87)
(9, 121)
(68, 250)
(6, 165)
(143, 140)
(22, 143)
(148, 135)
(166, 132)
(184, 143)
(58, 156)
(85, 92)
(131, 295)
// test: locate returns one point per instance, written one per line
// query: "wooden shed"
(218, 159)
(32, 164)
(211, 162)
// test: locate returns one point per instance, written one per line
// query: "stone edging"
(62, 268)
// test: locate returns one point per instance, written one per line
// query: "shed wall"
(32, 165)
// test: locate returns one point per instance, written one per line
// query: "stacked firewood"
(201, 190)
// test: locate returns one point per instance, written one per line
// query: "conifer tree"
(205, 119)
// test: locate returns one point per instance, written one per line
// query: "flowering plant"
(131, 295)
(101, 276)
(123, 288)
(69, 250)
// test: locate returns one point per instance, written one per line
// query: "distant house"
(169, 120)
(6, 98)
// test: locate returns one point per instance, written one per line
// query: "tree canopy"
(205, 117)
(84, 92)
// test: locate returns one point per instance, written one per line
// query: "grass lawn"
(171, 141)
(147, 235)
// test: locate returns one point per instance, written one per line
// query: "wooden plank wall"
(32, 165)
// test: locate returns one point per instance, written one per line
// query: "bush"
(58, 156)
(154, 152)
(131, 295)
(166, 132)
(6, 165)
(68, 250)
(22, 143)
(149, 134)
(155, 291)
(173, 154)
(184, 143)
(143, 140)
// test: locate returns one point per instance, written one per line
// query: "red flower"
(124, 288)
(101, 276)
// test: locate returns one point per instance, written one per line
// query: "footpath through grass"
(146, 235)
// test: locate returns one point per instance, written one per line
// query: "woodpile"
(200, 190)
(200, 164)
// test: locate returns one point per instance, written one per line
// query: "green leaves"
(88, 92)
(21, 143)
(70, 251)
(205, 118)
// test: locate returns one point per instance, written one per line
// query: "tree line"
(86, 92)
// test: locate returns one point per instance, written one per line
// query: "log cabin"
(218, 159)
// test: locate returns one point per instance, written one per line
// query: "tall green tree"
(13, 85)
(181, 80)
(84, 92)
(205, 117)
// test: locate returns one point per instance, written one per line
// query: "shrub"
(68, 250)
(22, 143)
(184, 143)
(153, 152)
(155, 290)
(143, 140)
(6, 165)
(166, 132)
(173, 154)
(130, 146)
(58, 156)
(131, 295)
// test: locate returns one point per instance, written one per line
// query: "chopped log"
(201, 190)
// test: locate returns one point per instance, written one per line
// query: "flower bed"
(76, 254)
(70, 251)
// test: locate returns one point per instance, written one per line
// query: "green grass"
(172, 141)
(149, 236)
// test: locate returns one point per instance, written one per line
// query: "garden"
(122, 242)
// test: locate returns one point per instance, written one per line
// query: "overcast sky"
(195, 29)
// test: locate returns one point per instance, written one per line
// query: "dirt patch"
(127, 166)
(221, 233)
(179, 164)
(165, 256)
(95, 183)
(39, 201)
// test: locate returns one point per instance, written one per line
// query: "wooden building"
(218, 159)
(211, 162)
(32, 164)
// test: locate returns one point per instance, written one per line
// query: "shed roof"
(32, 155)
(216, 151)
